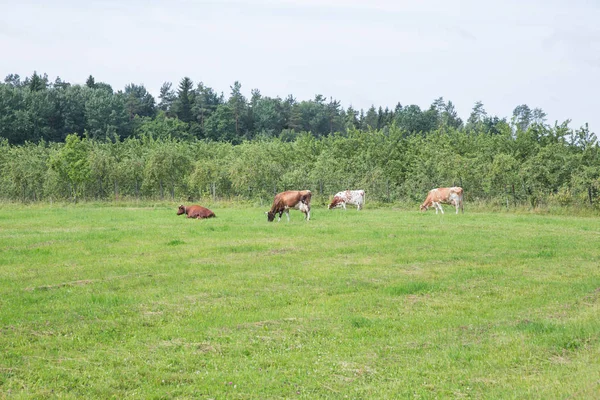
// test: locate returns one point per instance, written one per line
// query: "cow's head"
(423, 207)
(181, 210)
(270, 216)
(334, 203)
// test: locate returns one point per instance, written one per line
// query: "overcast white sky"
(543, 53)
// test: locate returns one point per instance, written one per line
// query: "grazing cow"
(195, 211)
(452, 195)
(298, 199)
(354, 197)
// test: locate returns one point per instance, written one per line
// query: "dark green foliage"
(162, 127)
(167, 97)
(238, 107)
(206, 101)
(182, 106)
(90, 82)
(36, 83)
(13, 80)
(221, 125)
(370, 121)
(269, 144)
(267, 115)
(138, 101)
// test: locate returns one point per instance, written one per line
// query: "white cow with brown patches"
(353, 197)
(437, 196)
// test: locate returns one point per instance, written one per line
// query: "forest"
(71, 142)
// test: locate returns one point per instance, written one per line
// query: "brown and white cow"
(451, 195)
(195, 211)
(354, 197)
(298, 199)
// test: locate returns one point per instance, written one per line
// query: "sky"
(543, 53)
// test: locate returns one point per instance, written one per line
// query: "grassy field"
(100, 302)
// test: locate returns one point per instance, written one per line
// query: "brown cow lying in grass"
(195, 211)
(452, 195)
(298, 199)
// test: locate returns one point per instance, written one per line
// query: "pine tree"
(522, 117)
(371, 119)
(90, 82)
(36, 83)
(183, 104)
(477, 116)
(167, 98)
(237, 102)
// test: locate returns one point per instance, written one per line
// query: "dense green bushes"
(540, 165)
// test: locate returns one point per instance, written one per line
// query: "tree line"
(73, 142)
(36, 109)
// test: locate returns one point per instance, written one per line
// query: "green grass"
(100, 302)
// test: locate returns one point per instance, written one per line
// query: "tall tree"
(106, 116)
(183, 104)
(138, 101)
(60, 84)
(238, 105)
(13, 80)
(522, 117)
(167, 97)
(371, 119)
(352, 118)
(220, 126)
(336, 121)
(292, 118)
(477, 116)
(90, 82)
(205, 103)
(36, 83)
(449, 117)
(268, 116)
(538, 116)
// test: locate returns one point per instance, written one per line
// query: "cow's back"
(457, 190)
(359, 196)
(199, 212)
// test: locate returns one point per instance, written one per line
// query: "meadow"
(132, 301)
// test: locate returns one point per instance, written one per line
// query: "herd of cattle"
(300, 200)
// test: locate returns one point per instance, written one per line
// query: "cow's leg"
(344, 205)
(280, 214)
(308, 215)
(287, 213)
(440, 206)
